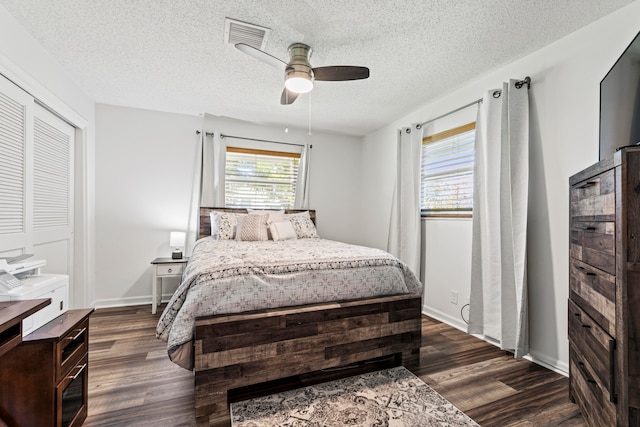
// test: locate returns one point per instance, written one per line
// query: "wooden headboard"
(204, 225)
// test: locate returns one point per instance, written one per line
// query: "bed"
(246, 312)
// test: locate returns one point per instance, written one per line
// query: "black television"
(620, 102)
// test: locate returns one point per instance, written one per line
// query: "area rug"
(392, 397)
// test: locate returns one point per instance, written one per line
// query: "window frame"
(446, 213)
(267, 153)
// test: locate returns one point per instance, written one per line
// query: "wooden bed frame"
(247, 349)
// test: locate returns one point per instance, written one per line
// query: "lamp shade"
(177, 239)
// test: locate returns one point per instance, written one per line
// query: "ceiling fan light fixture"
(298, 82)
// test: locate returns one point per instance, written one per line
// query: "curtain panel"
(404, 229)
(304, 168)
(498, 297)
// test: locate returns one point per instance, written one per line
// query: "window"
(260, 179)
(447, 172)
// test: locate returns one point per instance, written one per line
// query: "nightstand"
(161, 268)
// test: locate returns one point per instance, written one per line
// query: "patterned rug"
(392, 397)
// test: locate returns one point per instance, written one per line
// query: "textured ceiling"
(170, 55)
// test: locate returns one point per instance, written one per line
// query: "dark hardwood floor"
(133, 383)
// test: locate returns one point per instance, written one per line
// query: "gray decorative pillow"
(252, 227)
(303, 225)
(224, 224)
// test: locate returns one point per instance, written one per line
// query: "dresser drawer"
(595, 292)
(170, 269)
(594, 199)
(595, 347)
(594, 244)
(598, 410)
(71, 348)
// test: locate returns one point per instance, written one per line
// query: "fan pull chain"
(286, 120)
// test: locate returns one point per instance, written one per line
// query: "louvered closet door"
(36, 181)
(16, 136)
(53, 143)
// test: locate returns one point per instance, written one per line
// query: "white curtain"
(498, 297)
(304, 167)
(212, 178)
(194, 203)
(404, 230)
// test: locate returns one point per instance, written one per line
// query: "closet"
(36, 181)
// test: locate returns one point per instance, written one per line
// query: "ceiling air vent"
(241, 32)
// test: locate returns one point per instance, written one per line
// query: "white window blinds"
(51, 177)
(12, 165)
(447, 171)
(260, 179)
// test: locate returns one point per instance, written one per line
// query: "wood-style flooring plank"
(132, 382)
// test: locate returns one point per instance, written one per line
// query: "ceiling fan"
(299, 74)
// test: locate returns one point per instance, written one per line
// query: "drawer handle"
(576, 314)
(77, 335)
(589, 273)
(589, 229)
(586, 326)
(170, 270)
(588, 184)
(73, 377)
(585, 374)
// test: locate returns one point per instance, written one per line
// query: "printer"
(22, 280)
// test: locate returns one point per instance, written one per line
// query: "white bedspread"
(228, 276)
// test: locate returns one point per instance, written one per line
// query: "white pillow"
(252, 227)
(282, 230)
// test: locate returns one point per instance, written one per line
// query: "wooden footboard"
(233, 351)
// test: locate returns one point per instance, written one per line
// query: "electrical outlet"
(454, 297)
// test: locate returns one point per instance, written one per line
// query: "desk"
(11, 316)
(161, 268)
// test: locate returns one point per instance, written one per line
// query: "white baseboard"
(126, 302)
(444, 317)
(554, 365)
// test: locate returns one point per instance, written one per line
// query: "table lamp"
(177, 239)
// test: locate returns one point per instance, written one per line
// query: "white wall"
(564, 139)
(144, 168)
(27, 64)
(145, 162)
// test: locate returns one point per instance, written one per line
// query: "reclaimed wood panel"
(595, 291)
(204, 222)
(234, 351)
(594, 345)
(594, 198)
(587, 392)
(594, 243)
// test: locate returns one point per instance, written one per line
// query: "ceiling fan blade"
(287, 97)
(337, 73)
(261, 56)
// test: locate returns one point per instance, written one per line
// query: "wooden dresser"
(43, 381)
(604, 290)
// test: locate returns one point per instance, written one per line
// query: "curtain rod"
(206, 133)
(260, 140)
(519, 84)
